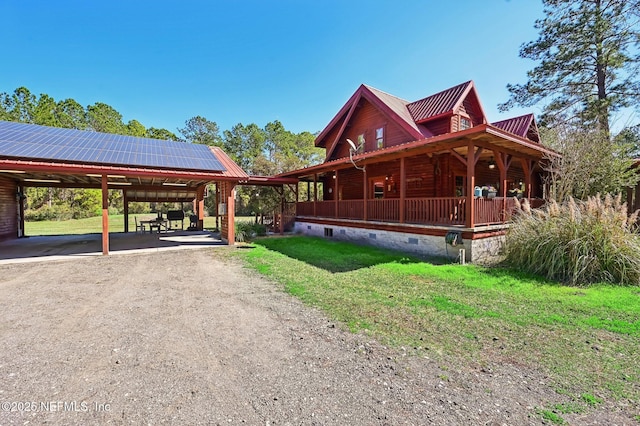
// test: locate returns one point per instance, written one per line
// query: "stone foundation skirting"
(483, 250)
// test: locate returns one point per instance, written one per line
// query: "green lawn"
(585, 339)
(93, 225)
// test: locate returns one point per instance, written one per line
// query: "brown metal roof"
(232, 170)
(516, 125)
(399, 107)
(439, 104)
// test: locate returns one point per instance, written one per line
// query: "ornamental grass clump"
(579, 242)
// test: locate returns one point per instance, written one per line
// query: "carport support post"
(105, 216)
(125, 202)
(200, 206)
(21, 211)
(231, 213)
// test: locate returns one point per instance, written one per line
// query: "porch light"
(12, 171)
(43, 180)
(173, 184)
(492, 164)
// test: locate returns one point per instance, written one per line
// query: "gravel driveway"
(189, 338)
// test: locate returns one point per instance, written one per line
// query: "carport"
(144, 169)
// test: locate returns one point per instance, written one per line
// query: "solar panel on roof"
(30, 141)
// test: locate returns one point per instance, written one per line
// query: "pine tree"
(588, 55)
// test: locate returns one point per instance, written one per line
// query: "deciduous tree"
(591, 163)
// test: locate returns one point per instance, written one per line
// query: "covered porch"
(468, 180)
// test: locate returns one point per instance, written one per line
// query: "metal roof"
(231, 169)
(517, 125)
(438, 104)
(34, 142)
(399, 107)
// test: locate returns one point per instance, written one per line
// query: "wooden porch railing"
(350, 209)
(438, 211)
(448, 211)
(304, 208)
(383, 210)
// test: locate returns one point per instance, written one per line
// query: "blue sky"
(297, 61)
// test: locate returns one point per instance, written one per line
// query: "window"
(378, 190)
(465, 123)
(360, 143)
(459, 185)
(380, 137)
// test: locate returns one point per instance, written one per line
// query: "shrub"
(246, 231)
(55, 212)
(579, 242)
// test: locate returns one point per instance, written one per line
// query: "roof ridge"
(513, 118)
(442, 91)
(386, 93)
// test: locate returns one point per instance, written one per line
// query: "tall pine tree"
(588, 56)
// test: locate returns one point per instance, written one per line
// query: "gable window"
(465, 123)
(380, 137)
(360, 143)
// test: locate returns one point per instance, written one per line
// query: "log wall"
(8, 209)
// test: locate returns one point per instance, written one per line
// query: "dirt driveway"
(188, 338)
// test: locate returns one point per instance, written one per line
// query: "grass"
(585, 339)
(93, 225)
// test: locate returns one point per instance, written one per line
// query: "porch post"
(471, 183)
(315, 194)
(105, 216)
(308, 191)
(636, 199)
(281, 226)
(503, 161)
(527, 166)
(125, 202)
(335, 193)
(403, 189)
(365, 187)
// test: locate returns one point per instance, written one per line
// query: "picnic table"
(157, 223)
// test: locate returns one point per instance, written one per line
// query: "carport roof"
(46, 156)
(31, 141)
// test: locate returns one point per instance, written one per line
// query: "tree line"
(267, 150)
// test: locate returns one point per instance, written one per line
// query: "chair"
(139, 226)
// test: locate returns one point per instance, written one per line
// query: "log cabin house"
(428, 177)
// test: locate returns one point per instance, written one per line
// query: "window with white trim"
(380, 137)
(360, 143)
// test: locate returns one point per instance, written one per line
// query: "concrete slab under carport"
(67, 247)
